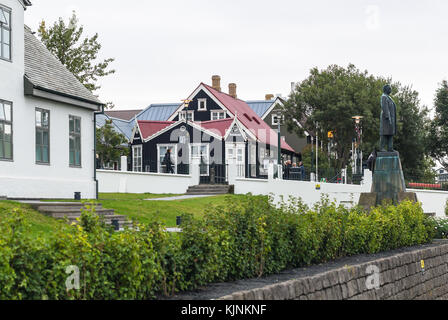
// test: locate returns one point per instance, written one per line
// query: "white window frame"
(8, 29)
(205, 105)
(136, 167)
(173, 155)
(200, 145)
(220, 115)
(182, 115)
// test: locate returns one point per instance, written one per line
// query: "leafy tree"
(331, 97)
(80, 56)
(438, 142)
(110, 145)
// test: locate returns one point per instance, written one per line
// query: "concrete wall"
(396, 277)
(138, 182)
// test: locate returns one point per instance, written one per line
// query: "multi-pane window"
(75, 141)
(137, 158)
(5, 130)
(186, 115)
(42, 136)
(218, 115)
(5, 33)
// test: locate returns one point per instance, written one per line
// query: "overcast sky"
(164, 49)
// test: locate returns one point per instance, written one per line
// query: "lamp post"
(358, 129)
(279, 145)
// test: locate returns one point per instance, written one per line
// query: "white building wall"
(22, 177)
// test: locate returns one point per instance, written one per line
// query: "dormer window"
(186, 115)
(5, 33)
(202, 104)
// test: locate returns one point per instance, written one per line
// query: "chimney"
(216, 83)
(269, 97)
(232, 90)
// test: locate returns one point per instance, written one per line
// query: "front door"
(235, 157)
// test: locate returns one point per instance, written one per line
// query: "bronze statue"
(388, 123)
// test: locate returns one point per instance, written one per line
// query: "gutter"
(94, 149)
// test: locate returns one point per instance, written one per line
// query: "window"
(75, 141)
(42, 136)
(137, 158)
(162, 166)
(186, 115)
(218, 115)
(5, 33)
(202, 104)
(5, 130)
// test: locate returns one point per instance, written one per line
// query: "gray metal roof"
(260, 106)
(121, 126)
(46, 72)
(158, 112)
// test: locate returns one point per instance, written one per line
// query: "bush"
(243, 239)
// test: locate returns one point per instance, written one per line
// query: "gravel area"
(217, 290)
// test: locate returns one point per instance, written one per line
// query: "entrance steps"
(72, 211)
(210, 189)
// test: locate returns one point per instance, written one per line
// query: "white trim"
(205, 104)
(218, 112)
(184, 114)
(134, 147)
(211, 96)
(274, 104)
(168, 145)
(207, 146)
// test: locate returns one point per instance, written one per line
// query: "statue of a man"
(388, 123)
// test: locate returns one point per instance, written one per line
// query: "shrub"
(242, 239)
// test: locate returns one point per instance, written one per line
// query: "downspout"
(94, 149)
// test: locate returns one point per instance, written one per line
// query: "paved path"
(180, 197)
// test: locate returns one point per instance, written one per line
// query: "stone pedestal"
(388, 182)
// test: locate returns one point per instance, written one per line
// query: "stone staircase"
(72, 210)
(210, 189)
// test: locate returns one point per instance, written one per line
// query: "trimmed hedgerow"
(243, 239)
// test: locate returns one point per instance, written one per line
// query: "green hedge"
(244, 239)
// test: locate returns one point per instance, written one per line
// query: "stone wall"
(399, 276)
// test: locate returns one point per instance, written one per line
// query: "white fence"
(345, 194)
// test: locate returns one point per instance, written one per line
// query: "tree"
(80, 56)
(438, 141)
(110, 145)
(331, 97)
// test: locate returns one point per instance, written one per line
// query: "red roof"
(249, 118)
(217, 126)
(149, 128)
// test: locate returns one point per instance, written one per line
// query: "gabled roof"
(260, 106)
(217, 126)
(150, 128)
(248, 118)
(44, 72)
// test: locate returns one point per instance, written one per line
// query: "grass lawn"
(132, 205)
(41, 225)
(135, 207)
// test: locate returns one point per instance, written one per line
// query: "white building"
(47, 117)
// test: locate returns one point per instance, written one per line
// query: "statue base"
(388, 182)
(369, 200)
